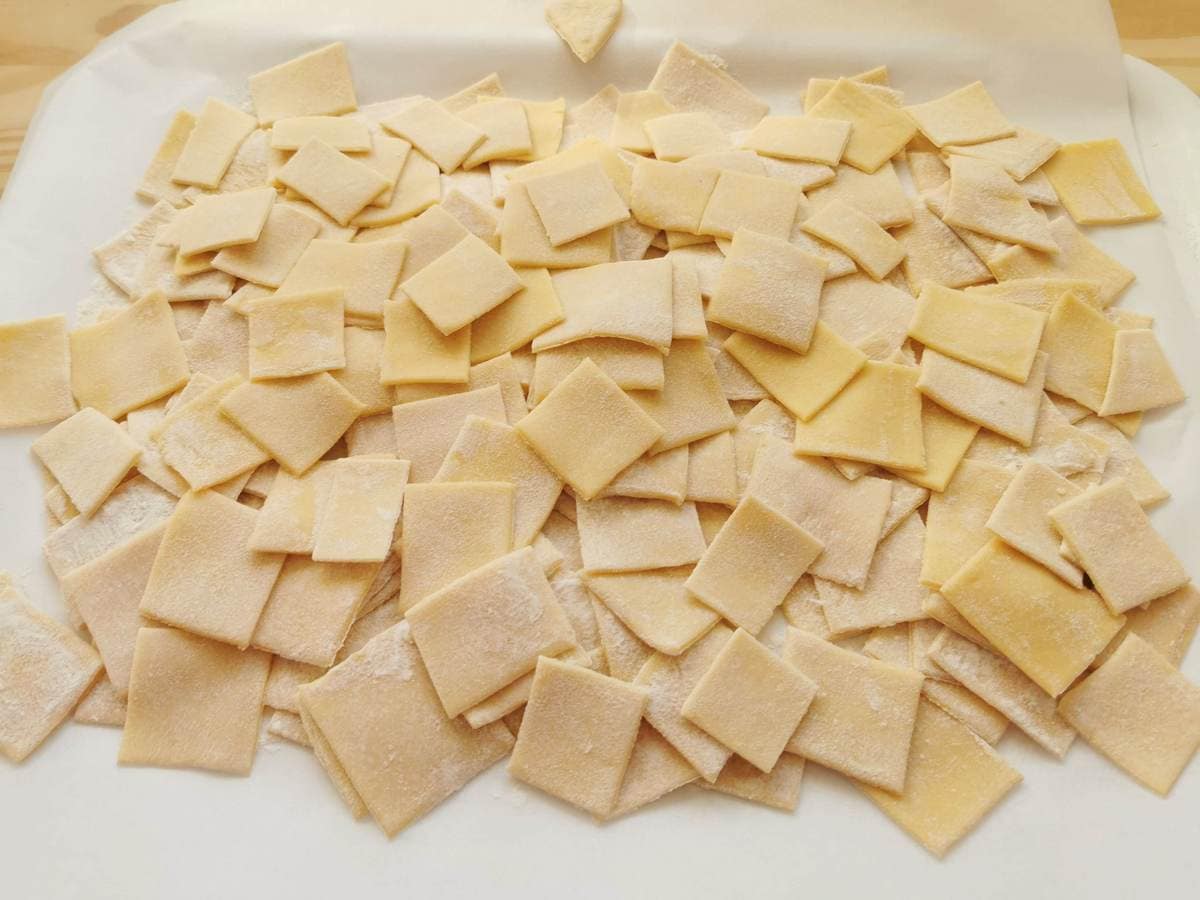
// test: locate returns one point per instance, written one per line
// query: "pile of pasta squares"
(648, 442)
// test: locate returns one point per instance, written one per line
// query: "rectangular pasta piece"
(35, 381)
(211, 144)
(317, 83)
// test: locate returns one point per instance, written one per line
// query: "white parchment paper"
(72, 823)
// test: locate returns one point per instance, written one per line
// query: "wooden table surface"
(41, 38)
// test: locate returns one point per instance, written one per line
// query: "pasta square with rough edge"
(101, 375)
(954, 779)
(224, 601)
(486, 450)
(267, 413)
(878, 131)
(267, 261)
(225, 220)
(691, 405)
(770, 289)
(750, 566)
(193, 703)
(337, 184)
(861, 721)
(296, 334)
(965, 116)
(656, 606)
(358, 522)
(812, 139)
(633, 301)
(857, 235)
(107, 592)
(449, 530)
(88, 454)
(381, 696)
(35, 372)
(576, 202)
(425, 430)
(738, 200)
(588, 430)
(1111, 537)
(317, 83)
(484, 630)
(578, 734)
(1140, 712)
(415, 352)
(750, 700)
(1050, 630)
(438, 133)
(875, 418)
(1097, 184)
(45, 668)
(622, 534)
(691, 81)
(467, 281)
(994, 335)
(519, 319)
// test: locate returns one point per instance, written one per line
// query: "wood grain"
(39, 39)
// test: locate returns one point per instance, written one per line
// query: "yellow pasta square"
(965, 116)
(268, 411)
(381, 696)
(656, 606)
(575, 202)
(750, 566)
(224, 220)
(878, 131)
(223, 599)
(88, 454)
(861, 721)
(358, 522)
(211, 144)
(35, 372)
(754, 202)
(365, 273)
(1097, 184)
(587, 430)
(193, 703)
(483, 631)
(438, 133)
(449, 531)
(1139, 711)
(876, 418)
(671, 196)
(426, 429)
(808, 138)
(317, 83)
(524, 242)
(1049, 629)
(267, 261)
(954, 779)
(462, 284)
(102, 374)
(857, 235)
(750, 700)
(335, 183)
(296, 334)
(622, 534)
(519, 319)
(415, 352)
(578, 734)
